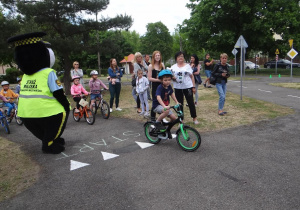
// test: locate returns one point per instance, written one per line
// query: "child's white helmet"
(4, 83)
(94, 72)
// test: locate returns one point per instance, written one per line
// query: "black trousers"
(188, 94)
(47, 129)
(77, 99)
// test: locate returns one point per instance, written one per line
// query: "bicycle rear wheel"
(190, 140)
(105, 110)
(5, 124)
(76, 115)
(150, 133)
(89, 116)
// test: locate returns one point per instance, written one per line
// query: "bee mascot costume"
(43, 106)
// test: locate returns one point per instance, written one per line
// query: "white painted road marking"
(242, 86)
(75, 165)
(144, 145)
(293, 96)
(267, 91)
(107, 155)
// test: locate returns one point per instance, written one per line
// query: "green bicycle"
(187, 137)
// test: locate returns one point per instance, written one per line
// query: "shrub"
(88, 71)
(12, 74)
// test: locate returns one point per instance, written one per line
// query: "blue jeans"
(208, 73)
(10, 107)
(221, 87)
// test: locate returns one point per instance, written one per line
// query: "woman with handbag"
(221, 73)
(184, 84)
(138, 63)
(195, 65)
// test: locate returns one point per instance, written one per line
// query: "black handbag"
(133, 82)
(212, 80)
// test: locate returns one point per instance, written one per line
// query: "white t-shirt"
(183, 76)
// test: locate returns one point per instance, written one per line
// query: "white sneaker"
(118, 109)
(110, 109)
(165, 121)
(142, 113)
(196, 122)
(147, 114)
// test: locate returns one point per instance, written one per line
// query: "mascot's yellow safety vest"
(36, 100)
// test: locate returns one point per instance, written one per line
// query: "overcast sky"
(169, 12)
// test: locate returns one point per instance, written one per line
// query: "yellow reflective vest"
(36, 100)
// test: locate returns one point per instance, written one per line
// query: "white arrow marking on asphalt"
(75, 165)
(294, 96)
(107, 155)
(267, 91)
(144, 145)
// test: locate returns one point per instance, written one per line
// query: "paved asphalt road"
(248, 167)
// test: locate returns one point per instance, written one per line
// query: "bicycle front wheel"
(8, 118)
(76, 115)
(18, 119)
(189, 140)
(89, 117)
(105, 110)
(5, 124)
(150, 133)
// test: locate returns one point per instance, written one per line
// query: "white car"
(250, 65)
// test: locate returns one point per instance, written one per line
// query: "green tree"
(67, 27)
(157, 37)
(133, 39)
(11, 26)
(217, 25)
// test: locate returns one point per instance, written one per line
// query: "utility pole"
(97, 36)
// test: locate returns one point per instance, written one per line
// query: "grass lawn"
(17, 170)
(293, 85)
(238, 111)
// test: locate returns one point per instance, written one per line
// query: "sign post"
(126, 57)
(234, 52)
(241, 43)
(276, 53)
(292, 54)
(256, 59)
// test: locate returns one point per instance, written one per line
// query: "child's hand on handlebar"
(166, 107)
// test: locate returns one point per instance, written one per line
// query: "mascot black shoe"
(43, 106)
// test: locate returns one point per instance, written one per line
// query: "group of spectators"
(186, 80)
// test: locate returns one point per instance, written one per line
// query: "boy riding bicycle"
(161, 103)
(95, 87)
(9, 94)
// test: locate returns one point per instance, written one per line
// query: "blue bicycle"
(4, 122)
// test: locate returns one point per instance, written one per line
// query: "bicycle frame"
(99, 99)
(170, 125)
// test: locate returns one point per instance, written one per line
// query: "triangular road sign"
(144, 145)
(75, 165)
(241, 42)
(107, 155)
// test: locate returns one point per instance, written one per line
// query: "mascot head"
(32, 53)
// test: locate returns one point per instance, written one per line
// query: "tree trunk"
(67, 74)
